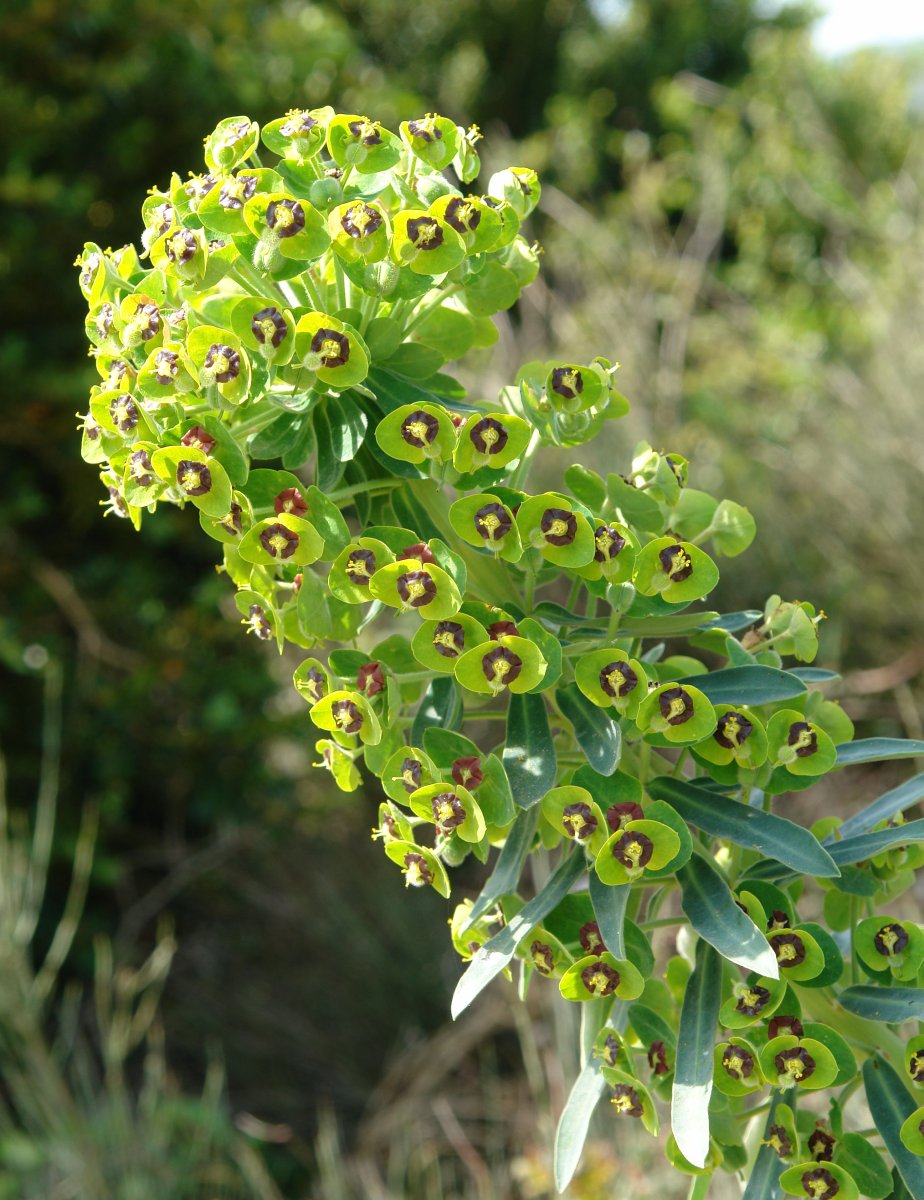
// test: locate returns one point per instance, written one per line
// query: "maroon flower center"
(360, 566)
(803, 739)
(468, 772)
(269, 325)
(197, 436)
(315, 684)
(124, 412)
(568, 382)
(365, 131)
(235, 192)
(499, 629)
(448, 812)
(600, 979)
(501, 666)
(626, 1101)
(789, 949)
(591, 938)
(286, 218)
(449, 639)
(420, 429)
(347, 716)
(370, 679)
(493, 522)
(462, 215)
(361, 220)
(617, 679)
(738, 1061)
(784, 1024)
(559, 526)
(290, 501)
(297, 124)
(820, 1184)
(633, 850)
(796, 1062)
(194, 477)
(578, 821)
(411, 774)
(657, 1058)
(425, 233)
(732, 730)
(676, 564)
(420, 550)
(619, 815)
(332, 347)
(891, 939)
(278, 541)
(258, 624)
(821, 1145)
(166, 366)
(609, 542)
(224, 361)
(488, 436)
(140, 468)
(753, 1000)
(181, 246)
(417, 870)
(542, 958)
(676, 705)
(416, 588)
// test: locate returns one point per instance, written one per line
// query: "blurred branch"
(92, 640)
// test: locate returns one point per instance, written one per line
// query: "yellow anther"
(676, 708)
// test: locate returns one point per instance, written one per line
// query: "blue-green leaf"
(770, 835)
(529, 753)
(890, 1104)
(814, 674)
(876, 749)
(708, 902)
(506, 874)
(857, 849)
(609, 903)
(733, 622)
(491, 958)
(751, 685)
(441, 706)
(695, 1042)
(890, 1004)
(888, 804)
(670, 625)
(575, 1121)
(597, 733)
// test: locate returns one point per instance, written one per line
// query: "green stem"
(357, 489)
(644, 759)
(573, 594)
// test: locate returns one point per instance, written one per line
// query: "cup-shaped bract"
(610, 679)
(405, 772)
(736, 1067)
(636, 847)
(417, 433)
(477, 223)
(599, 976)
(348, 712)
(451, 808)
(789, 1061)
(425, 242)
(352, 570)
(332, 349)
(676, 570)
(299, 135)
(484, 520)
(544, 953)
(571, 388)
(195, 476)
(519, 186)
(411, 584)
(739, 737)
(282, 539)
(419, 865)
(360, 144)
(437, 645)
(752, 1000)
(801, 746)
(220, 361)
(574, 814)
(615, 552)
(550, 523)
(887, 944)
(230, 143)
(507, 662)
(359, 231)
(678, 712)
(431, 138)
(798, 954)
(266, 329)
(492, 439)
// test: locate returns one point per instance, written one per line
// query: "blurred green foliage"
(749, 218)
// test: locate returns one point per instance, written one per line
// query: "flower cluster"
(508, 663)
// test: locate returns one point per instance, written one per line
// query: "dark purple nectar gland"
(235, 193)
(467, 772)
(298, 123)
(891, 939)
(223, 361)
(411, 774)
(332, 347)
(181, 246)
(803, 739)
(488, 436)
(360, 567)
(367, 132)
(784, 1024)
(146, 319)
(779, 1141)
(789, 949)
(448, 813)
(193, 477)
(425, 233)
(625, 1100)
(559, 525)
(449, 639)
(347, 716)
(676, 705)
(416, 870)
(567, 382)
(200, 438)
(657, 1058)
(733, 730)
(618, 816)
(389, 827)
(492, 522)
(916, 1066)
(610, 1050)
(315, 684)
(269, 325)
(821, 1145)
(286, 218)
(819, 1184)
(117, 503)
(738, 1061)
(104, 319)
(361, 220)
(633, 850)
(676, 563)
(796, 1063)
(501, 666)
(291, 501)
(199, 186)
(140, 468)
(617, 679)
(542, 958)
(462, 215)
(278, 541)
(578, 821)
(258, 624)
(166, 366)
(370, 679)
(499, 629)
(609, 542)
(600, 979)
(124, 413)
(591, 938)
(419, 429)
(416, 588)
(753, 1000)
(425, 128)
(164, 216)
(419, 551)
(778, 920)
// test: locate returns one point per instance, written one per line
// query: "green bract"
(527, 673)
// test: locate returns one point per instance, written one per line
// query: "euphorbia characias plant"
(527, 674)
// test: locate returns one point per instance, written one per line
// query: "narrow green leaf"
(574, 1121)
(857, 849)
(597, 733)
(414, 506)
(814, 674)
(888, 804)
(708, 902)
(748, 685)
(610, 911)
(696, 1040)
(890, 1104)
(495, 954)
(509, 866)
(890, 1004)
(732, 622)
(441, 705)
(876, 749)
(764, 1180)
(770, 835)
(529, 753)
(670, 625)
